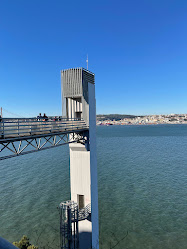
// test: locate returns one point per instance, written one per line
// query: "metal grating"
(73, 81)
(88, 76)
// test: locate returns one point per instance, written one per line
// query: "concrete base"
(85, 234)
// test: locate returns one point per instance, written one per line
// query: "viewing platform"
(16, 129)
(19, 136)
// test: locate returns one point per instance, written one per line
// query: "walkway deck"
(25, 128)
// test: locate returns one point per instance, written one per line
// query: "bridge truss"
(20, 137)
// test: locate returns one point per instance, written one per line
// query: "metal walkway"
(25, 135)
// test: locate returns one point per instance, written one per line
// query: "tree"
(24, 243)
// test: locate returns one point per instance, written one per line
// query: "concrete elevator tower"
(78, 102)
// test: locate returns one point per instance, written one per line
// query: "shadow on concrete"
(85, 239)
(89, 217)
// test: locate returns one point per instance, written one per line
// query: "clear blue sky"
(136, 48)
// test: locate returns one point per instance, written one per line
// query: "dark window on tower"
(81, 201)
(78, 115)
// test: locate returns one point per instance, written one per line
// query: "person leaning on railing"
(45, 117)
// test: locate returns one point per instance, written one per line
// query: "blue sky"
(137, 50)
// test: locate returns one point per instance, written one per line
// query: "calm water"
(142, 189)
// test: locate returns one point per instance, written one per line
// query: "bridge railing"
(21, 127)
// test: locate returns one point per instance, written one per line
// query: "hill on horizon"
(101, 117)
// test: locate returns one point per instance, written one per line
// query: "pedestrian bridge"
(15, 129)
(20, 134)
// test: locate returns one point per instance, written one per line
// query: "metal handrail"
(27, 127)
(42, 118)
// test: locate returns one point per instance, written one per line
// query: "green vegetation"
(116, 117)
(24, 243)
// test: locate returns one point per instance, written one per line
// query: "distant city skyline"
(137, 50)
(143, 120)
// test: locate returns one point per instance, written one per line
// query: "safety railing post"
(3, 129)
(18, 127)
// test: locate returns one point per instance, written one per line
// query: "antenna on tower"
(87, 61)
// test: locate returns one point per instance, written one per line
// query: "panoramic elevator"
(79, 216)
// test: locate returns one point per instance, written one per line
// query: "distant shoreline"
(141, 124)
(117, 119)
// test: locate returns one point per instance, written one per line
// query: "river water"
(142, 181)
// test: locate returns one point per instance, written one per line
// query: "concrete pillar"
(80, 187)
(83, 161)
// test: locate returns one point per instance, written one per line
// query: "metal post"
(18, 127)
(3, 129)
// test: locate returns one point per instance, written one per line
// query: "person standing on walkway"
(39, 117)
(45, 117)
